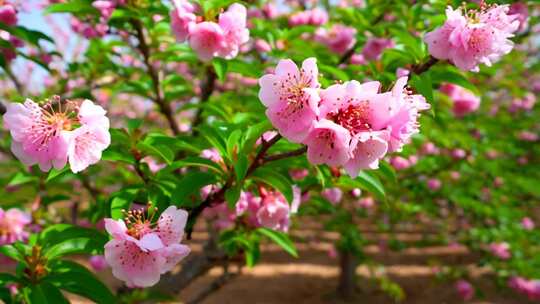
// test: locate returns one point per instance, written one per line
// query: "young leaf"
(281, 239)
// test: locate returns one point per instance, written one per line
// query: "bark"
(347, 275)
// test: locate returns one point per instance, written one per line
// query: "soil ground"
(312, 278)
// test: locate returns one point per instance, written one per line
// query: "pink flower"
(366, 202)
(400, 163)
(328, 143)
(458, 153)
(478, 37)
(212, 154)
(375, 46)
(274, 212)
(298, 174)
(86, 145)
(465, 290)
(45, 135)
(182, 18)
(139, 252)
(465, 101)
(233, 24)
(356, 192)
(358, 59)
(333, 195)
(528, 136)
(105, 8)
(98, 262)
(430, 148)
(12, 226)
(500, 250)
(220, 215)
(315, 17)
(521, 11)
(527, 223)
(290, 97)
(434, 184)
(401, 72)
(339, 39)
(8, 14)
(262, 46)
(207, 39)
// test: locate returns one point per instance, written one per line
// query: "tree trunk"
(347, 275)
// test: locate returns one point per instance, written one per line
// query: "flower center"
(354, 118)
(138, 222)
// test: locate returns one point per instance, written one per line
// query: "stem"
(13, 78)
(2, 109)
(423, 67)
(164, 107)
(207, 88)
(293, 153)
(348, 54)
(258, 161)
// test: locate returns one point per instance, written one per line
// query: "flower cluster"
(8, 16)
(91, 30)
(339, 39)
(478, 37)
(349, 124)
(464, 101)
(270, 210)
(316, 17)
(142, 250)
(56, 132)
(12, 226)
(210, 39)
(531, 288)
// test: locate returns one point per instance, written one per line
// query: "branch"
(2, 109)
(13, 78)
(348, 54)
(164, 107)
(219, 196)
(423, 67)
(293, 153)
(207, 88)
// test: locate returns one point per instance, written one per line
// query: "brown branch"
(218, 197)
(423, 67)
(293, 153)
(164, 107)
(13, 78)
(207, 88)
(2, 109)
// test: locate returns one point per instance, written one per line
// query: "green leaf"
(220, 67)
(422, 83)
(73, 6)
(371, 183)
(233, 142)
(58, 233)
(281, 239)
(387, 171)
(122, 201)
(276, 180)
(7, 278)
(190, 185)
(21, 178)
(448, 75)
(74, 246)
(163, 152)
(76, 279)
(46, 293)
(11, 252)
(241, 167)
(232, 195)
(55, 173)
(195, 161)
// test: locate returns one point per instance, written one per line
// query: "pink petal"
(171, 225)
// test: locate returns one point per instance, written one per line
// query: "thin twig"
(164, 107)
(423, 67)
(13, 78)
(293, 153)
(2, 109)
